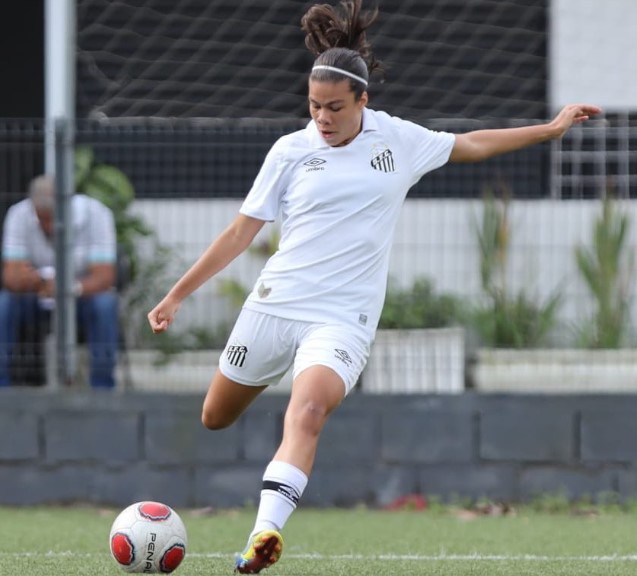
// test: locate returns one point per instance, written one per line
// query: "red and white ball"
(148, 538)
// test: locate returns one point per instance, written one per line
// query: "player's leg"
(226, 400)
(256, 356)
(325, 370)
(315, 394)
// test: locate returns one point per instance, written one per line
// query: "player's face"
(335, 110)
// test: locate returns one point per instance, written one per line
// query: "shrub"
(420, 307)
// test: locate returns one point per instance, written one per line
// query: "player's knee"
(215, 420)
(309, 418)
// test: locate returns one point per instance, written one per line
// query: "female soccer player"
(338, 185)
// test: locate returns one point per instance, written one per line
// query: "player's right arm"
(227, 246)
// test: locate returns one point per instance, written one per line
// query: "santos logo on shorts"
(237, 355)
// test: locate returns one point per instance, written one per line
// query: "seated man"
(28, 275)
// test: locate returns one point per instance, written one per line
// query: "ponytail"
(337, 37)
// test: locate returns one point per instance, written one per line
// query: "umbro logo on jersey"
(237, 355)
(384, 161)
(314, 164)
(344, 356)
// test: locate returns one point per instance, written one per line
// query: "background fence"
(190, 178)
(185, 98)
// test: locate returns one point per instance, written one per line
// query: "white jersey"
(339, 207)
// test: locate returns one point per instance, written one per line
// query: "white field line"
(386, 557)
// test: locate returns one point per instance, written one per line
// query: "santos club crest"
(382, 158)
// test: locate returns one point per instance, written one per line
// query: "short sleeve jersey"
(338, 207)
(94, 239)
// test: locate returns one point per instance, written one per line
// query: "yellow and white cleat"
(263, 550)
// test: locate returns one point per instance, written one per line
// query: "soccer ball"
(149, 538)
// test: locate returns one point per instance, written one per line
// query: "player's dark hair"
(337, 37)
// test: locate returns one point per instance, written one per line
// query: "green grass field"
(73, 541)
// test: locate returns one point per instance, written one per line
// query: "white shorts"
(261, 349)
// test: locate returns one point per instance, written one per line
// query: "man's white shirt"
(338, 207)
(94, 239)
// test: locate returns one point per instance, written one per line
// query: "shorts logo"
(383, 160)
(237, 355)
(344, 356)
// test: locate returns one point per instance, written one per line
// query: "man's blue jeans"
(97, 319)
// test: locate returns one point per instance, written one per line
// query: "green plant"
(420, 307)
(515, 322)
(152, 266)
(112, 187)
(607, 268)
(505, 320)
(158, 267)
(551, 502)
(146, 263)
(154, 276)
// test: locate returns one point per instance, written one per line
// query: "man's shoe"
(263, 550)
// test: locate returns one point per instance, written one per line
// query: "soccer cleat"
(263, 550)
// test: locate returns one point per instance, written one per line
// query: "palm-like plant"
(506, 320)
(607, 268)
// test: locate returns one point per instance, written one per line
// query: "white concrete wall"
(434, 238)
(593, 56)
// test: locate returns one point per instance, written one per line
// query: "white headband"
(340, 71)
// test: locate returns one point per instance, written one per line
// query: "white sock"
(283, 485)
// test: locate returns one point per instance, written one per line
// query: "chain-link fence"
(188, 178)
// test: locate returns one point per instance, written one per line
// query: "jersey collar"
(316, 140)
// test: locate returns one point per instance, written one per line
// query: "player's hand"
(162, 315)
(573, 114)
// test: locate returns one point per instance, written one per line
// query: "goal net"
(246, 58)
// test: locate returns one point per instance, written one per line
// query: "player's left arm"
(482, 144)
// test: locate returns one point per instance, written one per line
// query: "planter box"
(556, 370)
(416, 361)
